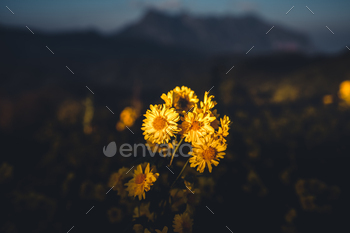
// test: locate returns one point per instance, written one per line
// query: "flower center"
(196, 126)
(159, 123)
(209, 153)
(140, 178)
(183, 103)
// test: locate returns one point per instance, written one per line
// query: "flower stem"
(182, 170)
(177, 147)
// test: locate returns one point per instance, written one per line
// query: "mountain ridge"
(215, 34)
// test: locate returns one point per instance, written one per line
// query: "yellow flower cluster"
(142, 179)
(141, 182)
(129, 115)
(196, 122)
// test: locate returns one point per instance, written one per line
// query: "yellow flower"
(100, 192)
(223, 129)
(183, 223)
(207, 151)
(141, 182)
(207, 104)
(165, 230)
(344, 91)
(195, 125)
(117, 181)
(168, 99)
(182, 99)
(143, 211)
(160, 124)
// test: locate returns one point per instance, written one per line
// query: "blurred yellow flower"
(120, 126)
(6, 172)
(115, 214)
(141, 182)
(344, 91)
(292, 213)
(327, 99)
(117, 179)
(300, 187)
(207, 152)
(165, 230)
(307, 202)
(196, 125)
(88, 115)
(182, 99)
(127, 118)
(69, 111)
(160, 124)
(143, 211)
(183, 223)
(100, 192)
(138, 228)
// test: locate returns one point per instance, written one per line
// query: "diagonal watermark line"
(108, 191)
(250, 49)
(210, 89)
(10, 10)
(109, 109)
(330, 30)
(229, 69)
(29, 29)
(128, 128)
(347, 47)
(90, 90)
(69, 69)
(310, 10)
(129, 170)
(70, 229)
(192, 192)
(210, 210)
(269, 30)
(229, 229)
(190, 109)
(290, 9)
(170, 170)
(90, 209)
(49, 49)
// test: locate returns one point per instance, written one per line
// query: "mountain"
(180, 47)
(215, 34)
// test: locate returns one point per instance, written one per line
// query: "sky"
(110, 15)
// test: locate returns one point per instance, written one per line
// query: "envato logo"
(164, 150)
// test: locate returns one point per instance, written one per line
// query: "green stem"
(183, 168)
(177, 147)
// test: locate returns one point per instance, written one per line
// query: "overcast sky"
(111, 15)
